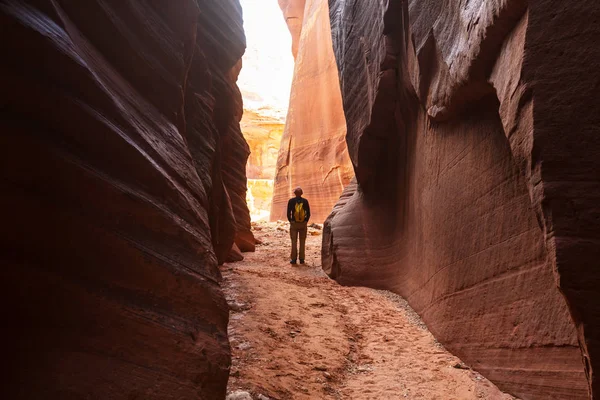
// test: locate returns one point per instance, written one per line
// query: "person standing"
(298, 213)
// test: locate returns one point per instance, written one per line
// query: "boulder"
(239, 395)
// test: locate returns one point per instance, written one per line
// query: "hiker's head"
(298, 191)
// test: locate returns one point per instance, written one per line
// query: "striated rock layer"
(123, 182)
(473, 129)
(313, 151)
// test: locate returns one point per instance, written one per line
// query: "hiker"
(298, 213)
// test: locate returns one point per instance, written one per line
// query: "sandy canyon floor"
(296, 334)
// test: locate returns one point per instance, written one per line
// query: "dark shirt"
(292, 207)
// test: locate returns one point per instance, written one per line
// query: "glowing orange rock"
(313, 151)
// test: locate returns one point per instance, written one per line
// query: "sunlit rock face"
(123, 187)
(473, 130)
(263, 134)
(313, 152)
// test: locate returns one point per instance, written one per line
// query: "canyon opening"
(293, 118)
(450, 152)
(265, 81)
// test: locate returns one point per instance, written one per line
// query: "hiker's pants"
(298, 229)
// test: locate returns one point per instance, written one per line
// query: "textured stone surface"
(263, 134)
(235, 152)
(473, 127)
(122, 188)
(313, 151)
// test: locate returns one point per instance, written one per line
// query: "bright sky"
(268, 64)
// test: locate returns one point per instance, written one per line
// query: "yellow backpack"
(299, 212)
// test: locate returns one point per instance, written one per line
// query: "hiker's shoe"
(301, 261)
(294, 261)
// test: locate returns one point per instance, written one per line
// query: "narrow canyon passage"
(450, 149)
(296, 334)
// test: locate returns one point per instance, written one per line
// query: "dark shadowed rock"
(473, 129)
(122, 189)
(235, 254)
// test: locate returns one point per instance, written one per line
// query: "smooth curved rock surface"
(472, 128)
(313, 152)
(123, 188)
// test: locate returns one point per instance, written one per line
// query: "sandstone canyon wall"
(293, 13)
(313, 151)
(123, 187)
(263, 135)
(474, 133)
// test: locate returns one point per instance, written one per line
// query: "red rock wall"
(473, 129)
(293, 12)
(313, 151)
(122, 188)
(263, 135)
(560, 69)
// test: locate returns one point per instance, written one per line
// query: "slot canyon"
(264, 81)
(450, 151)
